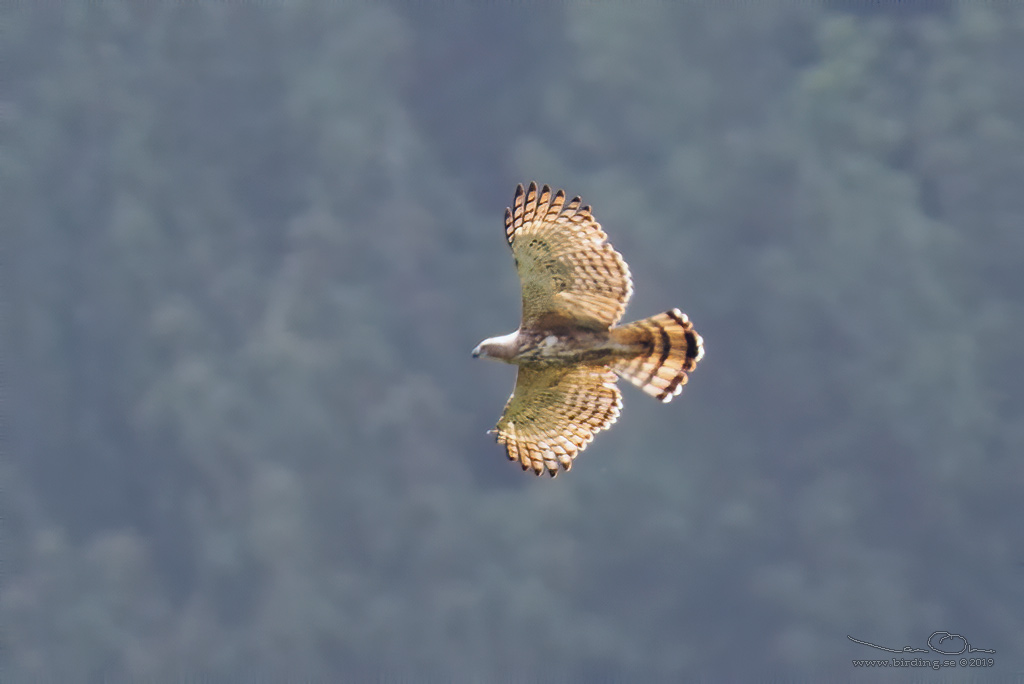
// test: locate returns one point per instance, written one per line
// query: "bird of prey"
(568, 348)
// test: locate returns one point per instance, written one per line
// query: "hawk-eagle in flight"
(568, 347)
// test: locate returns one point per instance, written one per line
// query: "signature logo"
(940, 641)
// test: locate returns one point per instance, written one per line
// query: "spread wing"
(554, 412)
(569, 273)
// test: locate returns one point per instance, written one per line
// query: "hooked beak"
(476, 351)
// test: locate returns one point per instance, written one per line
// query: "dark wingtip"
(526, 192)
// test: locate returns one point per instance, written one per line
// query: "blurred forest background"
(248, 247)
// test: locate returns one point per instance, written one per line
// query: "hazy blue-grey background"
(248, 247)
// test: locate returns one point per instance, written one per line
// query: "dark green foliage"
(247, 248)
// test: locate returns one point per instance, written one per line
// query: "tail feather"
(667, 349)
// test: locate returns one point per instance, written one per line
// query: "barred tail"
(667, 349)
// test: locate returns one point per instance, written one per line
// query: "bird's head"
(500, 348)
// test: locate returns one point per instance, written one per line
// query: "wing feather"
(570, 274)
(554, 412)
